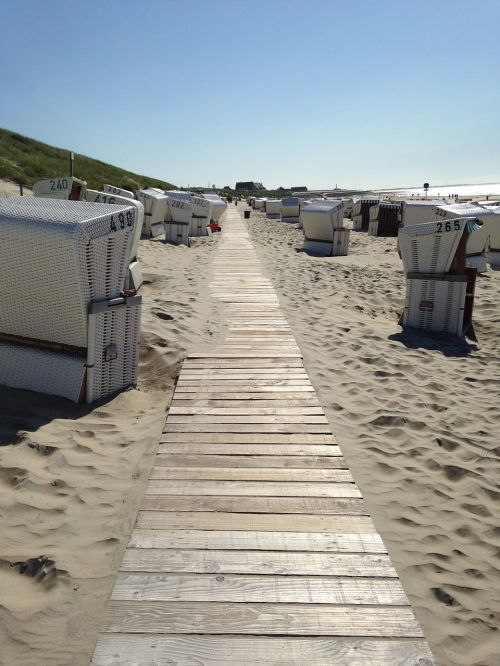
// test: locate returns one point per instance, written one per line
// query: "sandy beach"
(72, 476)
(417, 418)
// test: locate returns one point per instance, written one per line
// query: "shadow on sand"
(24, 412)
(448, 345)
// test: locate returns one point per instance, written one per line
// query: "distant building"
(249, 186)
(299, 188)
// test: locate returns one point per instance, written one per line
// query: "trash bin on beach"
(439, 285)
(246, 214)
(67, 328)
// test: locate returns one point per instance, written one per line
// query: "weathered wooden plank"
(253, 488)
(256, 428)
(251, 461)
(267, 451)
(243, 363)
(268, 619)
(228, 504)
(249, 474)
(241, 588)
(230, 371)
(258, 419)
(251, 354)
(257, 396)
(143, 649)
(279, 522)
(256, 561)
(247, 410)
(304, 401)
(208, 377)
(253, 540)
(249, 438)
(248, 387)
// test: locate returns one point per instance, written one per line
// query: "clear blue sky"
(359, 92)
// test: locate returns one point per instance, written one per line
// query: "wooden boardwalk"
(253, 544)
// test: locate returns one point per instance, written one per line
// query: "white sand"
(418, 420)
(71, 477)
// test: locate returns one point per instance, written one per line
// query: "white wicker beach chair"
(219, 206)
(111, 189)
(156, 210)
(430, 247)
(68, 188)
(57, 257)
(273, 208)
(340, 245)
(478, 240)
(319, 220)
(416, 212)
(178, 222)
(201, 214)
(361, 215)
(135, 279)
(113, 346)
(64, 323)
(435, 305)
(493, 250)
(373, 220)
(290, 209)
(102, 197)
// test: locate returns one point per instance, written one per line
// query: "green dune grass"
(24, 160)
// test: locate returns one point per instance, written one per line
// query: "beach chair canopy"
(320, 218)
(273, 207)
(180, 207)
(416, 212)
(430, 247)
(57, 257)
(60, 188)
(156, 210)
(480, 238)
(218, 205)
(111, 189)
(200, 216)
(107, 198)
(363, 203)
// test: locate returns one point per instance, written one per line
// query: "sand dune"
(418, 420)
(72, 476)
